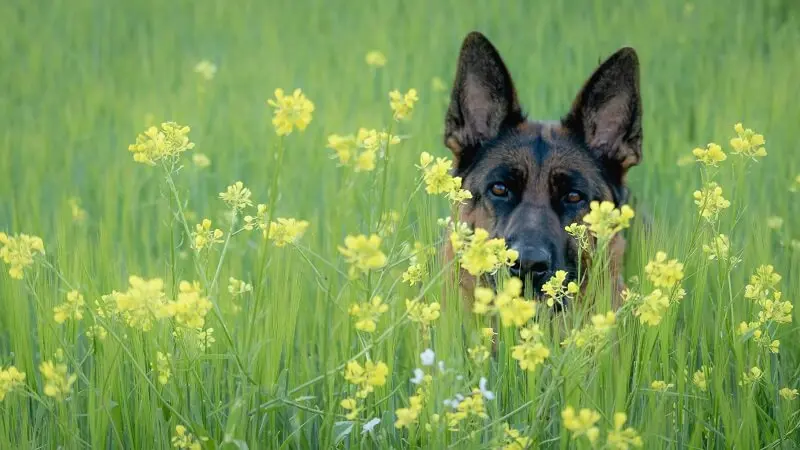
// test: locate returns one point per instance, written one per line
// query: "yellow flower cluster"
(417, 266)
(184, 440)
(582, 423)
(701, 376)
(719, 249)
(10, 379)
(286, 231)
(238, 287)
(530, 352)
(143, 303)
(480, 352)
(470, 407)
(786, 393)
(508, 303)
(556, 292)
(361, 150)
(237, 196)
(580, 233)
(661, 386)
(752, 376)
(162, 367)
(402, 104)
(258, 221)
(593, 336)
(367, 314)
(363, 253)
(711, 155)
(664, 274)
(406, 417)
(367, 377)
(71, 309)
(605, 220)
(204, 237)
(763, 291)
(513, 439)
(190, 307)
(748, 143)
(156, 144)
(19, 252)
(421, 313)
(58, 381)
(622, 439)
(710, 201)
(438, 180)
(479, 254)
(375, 58)
(291, 111)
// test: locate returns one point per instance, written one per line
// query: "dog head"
(530, 179)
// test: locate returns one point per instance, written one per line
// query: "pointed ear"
(483, 102)
(607, 113)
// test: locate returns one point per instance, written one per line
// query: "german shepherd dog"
(529, 179)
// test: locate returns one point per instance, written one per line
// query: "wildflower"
(258, 221)
(661, 386)
(200, 160)
(206, 69)
(375, 58)
(653, 308)
(581, 424)
(530, 352)
(351, 405)
(11, 378)
(513, 439)
(752, 376)
(556, 292)
(764, 280)
(374, 140)
(471, 406)
(286, 231)
(438, 85)
(167, 143)
(205, 237)
(190, 308)
(513, 309)
(183, 440)
(605, 220)
(365, 162)
(595, 334)
(363, 253)
(71, 309)
(143, 301)
(427, 357)
(291, 111)
(774, 222)
(414, 274)
(719, 248)
(710, 201)
(580, 233)
(786, 393)
(486, 393)
(663, 273)
(622, 439)
(78, 213)
(711, 155)
(237, 196)
(700, 378)
(421, 313)
(402, 104)
(366, 377)
(368, 313)
(775, 310)
(478, 354)
(484, 255)
(748, 143)
(19, 252)
(238, 287)
(344, 146)
(162, 367)
(436, 175)
(96, 332)
(58, 382)
(408, 416)
(370, 425)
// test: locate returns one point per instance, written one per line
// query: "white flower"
(487, 394)
(367, 427)
(427, 357)
(419, 375)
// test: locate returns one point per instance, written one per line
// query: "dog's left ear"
(607, 113)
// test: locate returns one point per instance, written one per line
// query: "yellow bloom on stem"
(236, 196)
(605, 220)
(286, 231)
(142, 303)
(661, 386)
(291, 111)
(581, 235)
(484, 255)
(402, 104)
(351, 406)
(582, 423)
(204, 237)
(653, 308)
(367, 314)
(238, 287)
(719, 248)
(786, 393)
(71, 309)
(513, 310)
(556, 292)
(363, 253)
(748, 143)
(663, 273)
(414, 274)
(470, 407)
(200, 160)
(58, 382)
(711, 155)
(344, 146)
(422, 313)
(530, 352)
(594, 335)
(156, 144)
(752, 376)
(408, 416)
(162, 367)
(184, 440)
(19, 251)
(513, 439)
(10, 379)
(700, 378)
(190, 308)
(623, 439)
(710, 201)
(366, 377)
(375, 58)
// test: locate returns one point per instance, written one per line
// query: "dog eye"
(573, 197)
(499, 190)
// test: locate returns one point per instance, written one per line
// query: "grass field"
(81, 79)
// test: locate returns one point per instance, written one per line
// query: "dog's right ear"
(483, 102)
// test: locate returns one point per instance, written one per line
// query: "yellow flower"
(292, 111)
(710, 201)
(375, 58)
(530, 352)
(167, 143)
(623, 439)
(663, 273)
(58, 382)
(142, 303)
(581, 235)
(237, 196)
(786, 393)
(367, 314)
(719, 248)
(555, 291)
(162, 366)
(711, 155)
(408, 416)
(365, 162)
(183, 440)
(581, 424)
(71, 309)
(700, 378)
(752, 376)
(479, 354)
(661, 386)
(11, 378)
(605, 220)
(350, 405)
(414, 274)
(762, 282)
(96, 332)
(19, 252)
(422, 313)
(205, 237)
(286, 231)
(366, 377)
(206, 69)
(469, 407)
(653, 308)
(513, 310)
(258, 221)
(190, 308)
(344, 146)
(78, 213)
(484, 255)
(436, 175)
(238, 287)
(200, 160)
(593, 335)
(363, 253)
(513, 439)
(402, 104)
(748, 143)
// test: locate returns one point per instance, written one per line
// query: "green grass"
(82, 78)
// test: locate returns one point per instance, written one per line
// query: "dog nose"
(535, 262)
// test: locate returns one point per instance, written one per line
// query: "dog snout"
(534, 262)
